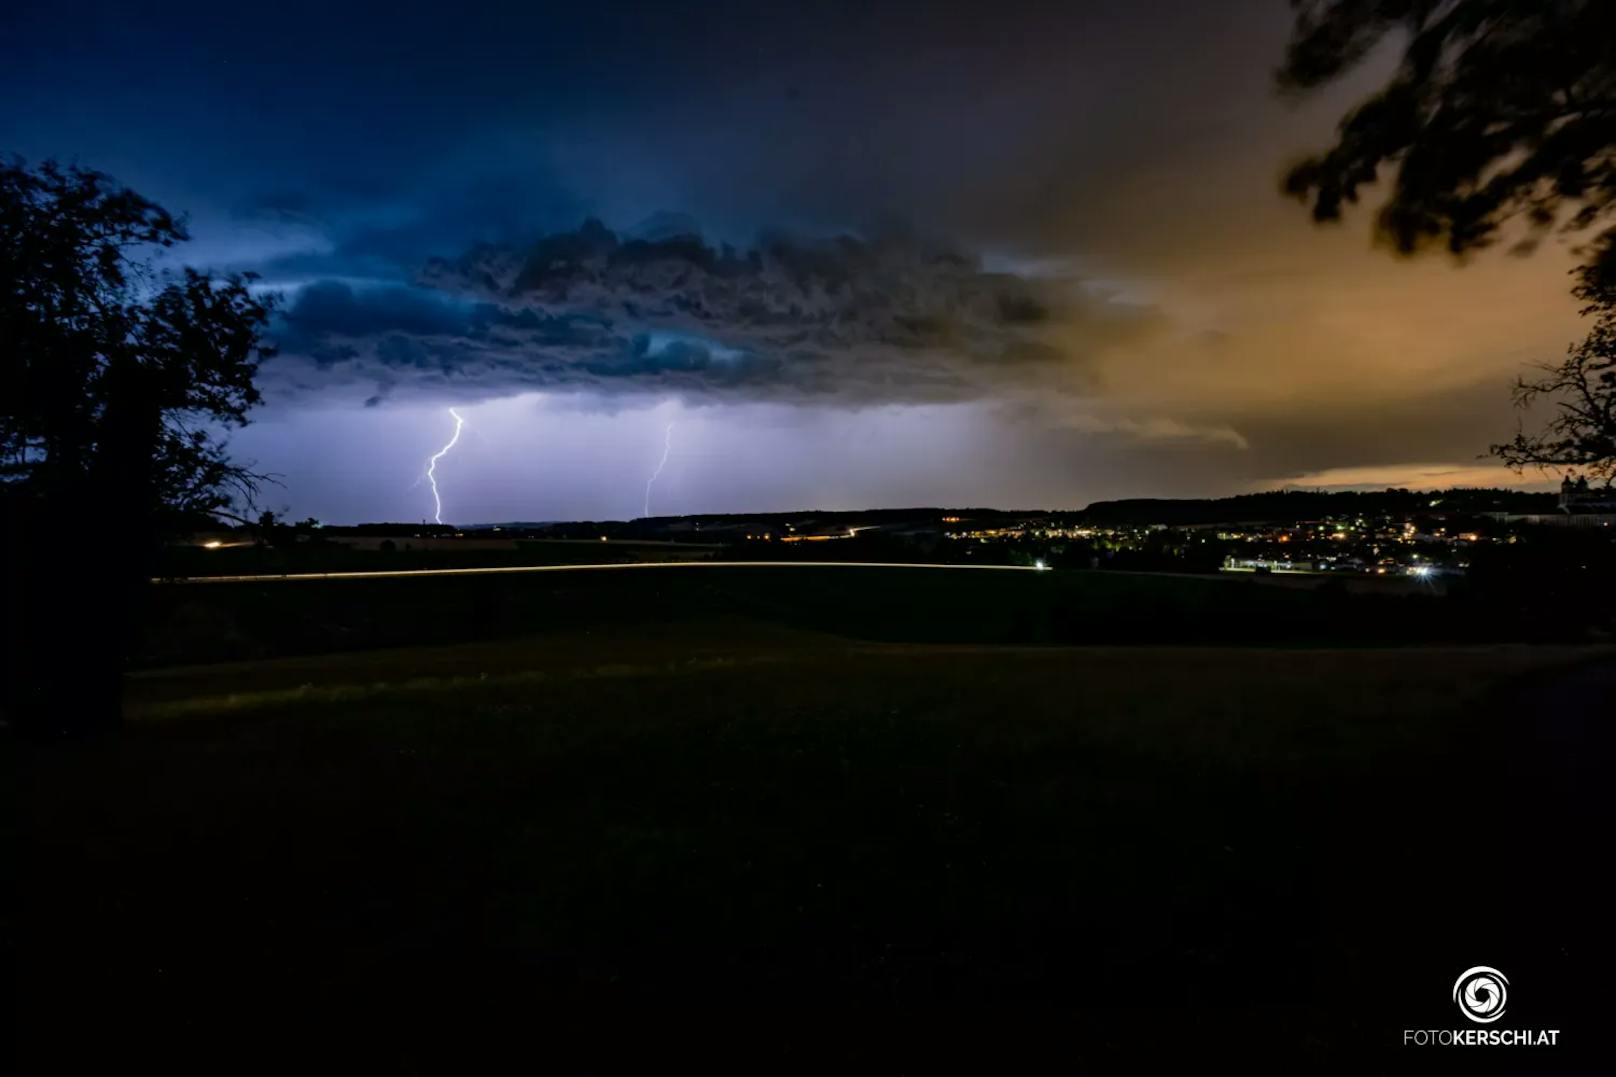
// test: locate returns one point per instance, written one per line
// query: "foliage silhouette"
(1499, 111)
(114, 373)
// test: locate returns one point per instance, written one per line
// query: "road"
(376, 575)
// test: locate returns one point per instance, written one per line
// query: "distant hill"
(1274, 506)
(720, 519)
(1283, 505)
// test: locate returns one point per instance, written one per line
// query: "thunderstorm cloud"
(845, 319)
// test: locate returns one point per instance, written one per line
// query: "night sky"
(857, 254)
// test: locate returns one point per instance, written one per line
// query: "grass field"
(738, 806)
(208, 622)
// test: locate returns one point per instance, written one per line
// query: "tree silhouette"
(112, 375)
(1499, 111)
(1582, 434)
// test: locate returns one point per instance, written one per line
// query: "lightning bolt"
(432, 467)
(667, 447)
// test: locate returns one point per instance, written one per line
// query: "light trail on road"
(489, 571)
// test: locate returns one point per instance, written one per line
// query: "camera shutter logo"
(1481, 993)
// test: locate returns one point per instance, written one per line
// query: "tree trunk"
(83, 570)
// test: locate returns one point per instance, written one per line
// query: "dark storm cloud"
(785, 295)
(877, 320)
(334, 308)
(293, 207)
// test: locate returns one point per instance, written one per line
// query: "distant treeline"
(1286, 505)
(1277, 506)
(872, 516)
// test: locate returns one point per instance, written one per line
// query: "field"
(194, 622)
(853, 789)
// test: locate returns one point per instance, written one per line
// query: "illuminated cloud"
(1409, 477)
(1157, 429)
